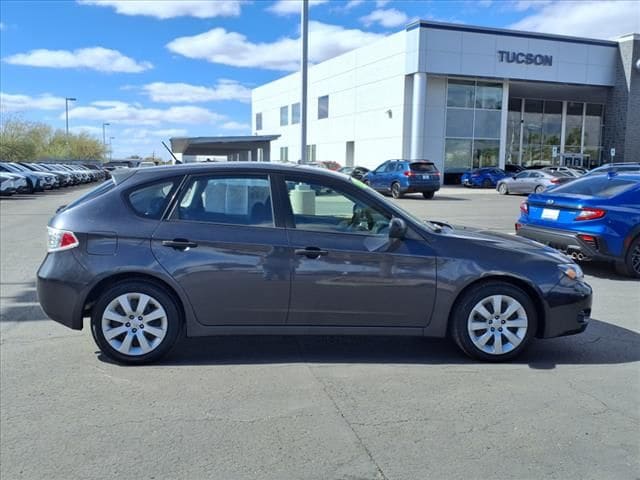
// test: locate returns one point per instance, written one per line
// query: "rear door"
(346, 271)
(375, 177)
(221, 244)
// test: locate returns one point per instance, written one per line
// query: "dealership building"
(462, 97)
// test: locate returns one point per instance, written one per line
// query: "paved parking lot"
(320, 407)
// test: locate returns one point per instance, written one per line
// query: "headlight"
(572, 270)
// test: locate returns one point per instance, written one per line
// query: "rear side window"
(597, 186)
(423, 167)
(150, 201)
(227, 200)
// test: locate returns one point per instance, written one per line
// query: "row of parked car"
(30, 177)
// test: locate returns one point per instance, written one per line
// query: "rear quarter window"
(93, 193)
(151, 200)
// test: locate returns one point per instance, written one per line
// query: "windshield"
(599, 186)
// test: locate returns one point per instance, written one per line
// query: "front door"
(222, 246)
(346, 271)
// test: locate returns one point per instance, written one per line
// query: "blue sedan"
(483, 177)
(592, 218)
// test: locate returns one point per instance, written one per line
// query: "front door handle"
(311, 252)
(179, 244)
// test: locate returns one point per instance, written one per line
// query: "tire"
(486, 183)
(161, 316)
(538, 189)
(466, 323)
(503, 189)
(630, 266)
(428, 195)
(395, 190)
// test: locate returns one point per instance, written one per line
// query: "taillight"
(590, 214)
(524, 207)
(408, 173)
(60, 240)
(555, 181)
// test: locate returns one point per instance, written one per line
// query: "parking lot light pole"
(303, 67)
(66, 111)
(110, 147)
(104, 141)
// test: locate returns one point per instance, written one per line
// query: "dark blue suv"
(596, 217)
(405, 176)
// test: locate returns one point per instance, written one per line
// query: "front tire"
(493, 322)
(503, 189)
(135, 322)
(396, 192)
(428, 195)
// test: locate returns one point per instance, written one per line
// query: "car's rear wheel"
(486, 183)
(428, 195)
(630, 266)
(539, 189)
(395, 190)
(135, 322)
(493, 322)
(503, 189)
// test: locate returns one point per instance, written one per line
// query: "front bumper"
(569, 309)
(567, 242)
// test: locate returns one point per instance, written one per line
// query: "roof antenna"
(170, 152)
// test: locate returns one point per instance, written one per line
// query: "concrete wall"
(366, 89)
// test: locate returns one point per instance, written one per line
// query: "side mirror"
(397, 228)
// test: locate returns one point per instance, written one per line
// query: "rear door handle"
(179, 244)
(311, 252)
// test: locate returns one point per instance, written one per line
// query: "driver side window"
(320, 208)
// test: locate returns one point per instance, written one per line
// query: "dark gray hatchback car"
(248, 248)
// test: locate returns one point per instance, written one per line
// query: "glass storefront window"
(457, 154)
(487, 124)
(573, 131)
(460, 122)
(461, 93)
(593, 125)
(552, 123)
(489, 96)
(485, 153)
(513, 130)
(533, 121)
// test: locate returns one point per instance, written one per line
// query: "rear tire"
(630, 266)
(480, 335)
(539, 189)
(486, 183)
(395, 190)
(135, 322)
(503, 189)
(428, 195)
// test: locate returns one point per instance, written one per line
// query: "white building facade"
(462, 97)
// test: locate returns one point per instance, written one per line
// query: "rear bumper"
(433, 186)
(569, 309)
(567, 242)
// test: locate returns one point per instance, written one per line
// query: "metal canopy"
(236, 145)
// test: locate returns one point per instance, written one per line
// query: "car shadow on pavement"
(602, 343)
(435, 198)
(605, 270)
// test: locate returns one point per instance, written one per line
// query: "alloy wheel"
(635, 258)
(134, 324)
(395, 190)
(503, 189)
(497, 324)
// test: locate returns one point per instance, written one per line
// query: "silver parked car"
(568, 171)
(530, 181)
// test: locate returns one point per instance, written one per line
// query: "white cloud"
(290, 7)
(523, 5)
(353, 3)
(186, 93)
(388, 18)
(21, 103)
(598, 19)
(90, 129)
(123, 113)
(381, 3)
(94, 58)
(171, 8)
(144, 135)
(232, 48)
(236, 126)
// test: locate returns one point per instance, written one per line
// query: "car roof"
(194, 168)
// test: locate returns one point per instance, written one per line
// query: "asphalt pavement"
(314, 407)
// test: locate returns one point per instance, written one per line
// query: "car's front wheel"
(493, 321)
(135, 322)
(428, 195)
(503, 189)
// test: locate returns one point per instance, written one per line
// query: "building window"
(311, 153)
(295, 113)
(284, 154)
(472, 124)
(284, 115)
(323, 107)
(258, 121)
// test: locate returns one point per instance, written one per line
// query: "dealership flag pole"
(303, 102)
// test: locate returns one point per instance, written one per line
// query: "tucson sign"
(525, 58)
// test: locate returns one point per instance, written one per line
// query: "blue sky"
(172, 68)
